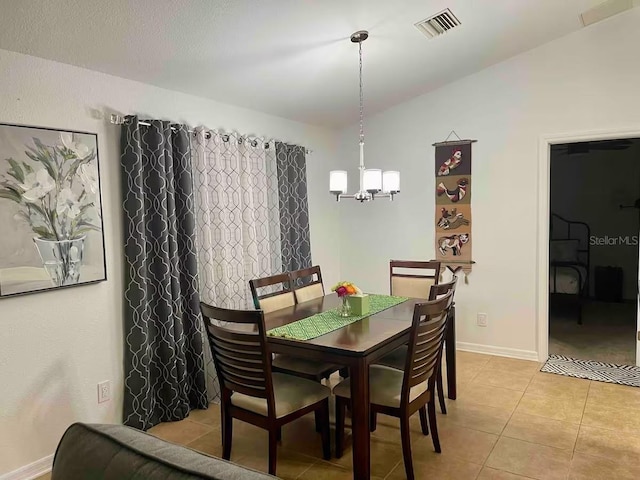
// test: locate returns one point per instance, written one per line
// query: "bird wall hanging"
(452, 222)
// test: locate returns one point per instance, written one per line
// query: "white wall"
(589, 80)
(56, 346)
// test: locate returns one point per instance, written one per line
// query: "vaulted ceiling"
(290, 58)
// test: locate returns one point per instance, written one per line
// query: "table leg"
(360, 419)
(450, 342)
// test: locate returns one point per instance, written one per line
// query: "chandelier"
(374, 183)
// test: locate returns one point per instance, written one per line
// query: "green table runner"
(325, 322)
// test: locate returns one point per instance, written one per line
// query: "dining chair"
(250, 391)
(400, 393)
(415, 284)
(280, 294)
(310, 289)
(397, 359)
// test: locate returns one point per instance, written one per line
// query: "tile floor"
(510, 421)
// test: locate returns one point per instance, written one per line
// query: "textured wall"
(56, 346)
(586, 81)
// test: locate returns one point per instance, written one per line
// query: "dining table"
(356, 346)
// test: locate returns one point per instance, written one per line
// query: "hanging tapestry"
(453, 205)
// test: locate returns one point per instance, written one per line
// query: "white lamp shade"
(338, 181)
(372, 180)
(391, 181)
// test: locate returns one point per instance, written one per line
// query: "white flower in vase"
(89, 177)
(36, 185)
(46, 187)
(80, 149)
(68, 204)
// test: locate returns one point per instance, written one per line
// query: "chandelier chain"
(374, 183)
(361, 96)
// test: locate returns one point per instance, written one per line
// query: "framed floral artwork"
(50, 210)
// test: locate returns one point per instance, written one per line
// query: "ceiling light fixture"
(372, 181)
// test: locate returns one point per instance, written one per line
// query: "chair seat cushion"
(396, 359)
(303, 365)
(291, 394)
(385, 387)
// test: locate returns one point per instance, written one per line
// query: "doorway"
(593, 246)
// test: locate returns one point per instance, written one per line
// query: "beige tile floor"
(510, 421)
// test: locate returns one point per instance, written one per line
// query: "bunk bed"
(569, 257)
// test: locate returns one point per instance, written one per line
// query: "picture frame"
(52, 233)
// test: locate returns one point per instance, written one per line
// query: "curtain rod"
(120, 120)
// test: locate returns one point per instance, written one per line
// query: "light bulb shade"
(372, 180)
(338, 181)
(391, 181)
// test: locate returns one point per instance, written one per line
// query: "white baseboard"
(31, 471)
(498, 351)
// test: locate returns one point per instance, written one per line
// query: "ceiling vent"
(438, 24)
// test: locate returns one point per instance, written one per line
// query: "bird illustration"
(451, 163)
(457, 193)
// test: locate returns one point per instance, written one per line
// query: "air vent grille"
(438, 24)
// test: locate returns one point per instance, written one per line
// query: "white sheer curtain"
(237, 220)
(237, 212)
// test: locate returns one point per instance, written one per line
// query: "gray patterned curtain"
(163, 354)
(294, 209)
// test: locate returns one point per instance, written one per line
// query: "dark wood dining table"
(356, 346)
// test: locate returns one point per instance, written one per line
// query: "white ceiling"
(290, 58)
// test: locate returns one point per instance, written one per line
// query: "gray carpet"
(608, 333)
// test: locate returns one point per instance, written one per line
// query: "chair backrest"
(425, 344)
(440, 289)
(240, 353)
(275, 298)
(414, 285)
(307, 284)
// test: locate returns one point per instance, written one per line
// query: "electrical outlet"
(104, 391)
(482, 320)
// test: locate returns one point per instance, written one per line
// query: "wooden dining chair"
(397, 359)
(280, 294)
(307, 284)
(415, 284)
(402, 393)
(249, 390)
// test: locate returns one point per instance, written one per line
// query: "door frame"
(544, 175)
